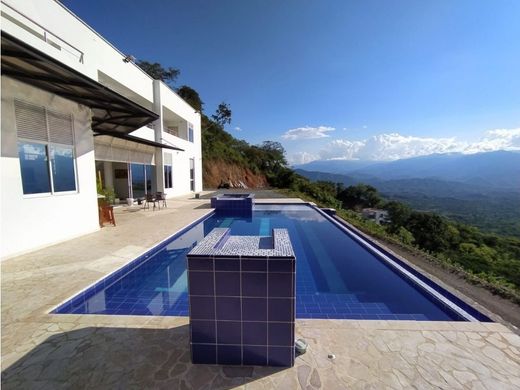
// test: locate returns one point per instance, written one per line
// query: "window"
(192, 174)
(45, 149)
(167, 158)
(168, 176)
(190, 132)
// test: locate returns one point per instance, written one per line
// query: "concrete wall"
(32, 221)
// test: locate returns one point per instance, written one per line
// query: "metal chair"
(160, 197)
(149, 199)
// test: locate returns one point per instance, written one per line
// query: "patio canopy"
(111, 112)
(137, 140)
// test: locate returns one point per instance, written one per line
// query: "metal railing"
(36, 29)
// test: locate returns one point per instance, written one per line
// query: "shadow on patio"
(111, 357)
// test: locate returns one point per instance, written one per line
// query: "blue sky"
(338, 79)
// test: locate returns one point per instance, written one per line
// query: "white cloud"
(307, 132)
(498, 139)
(394, 146)
(237, 129)
(302, 158)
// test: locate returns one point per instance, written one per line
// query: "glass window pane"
(63, 176)
(34, 167)
(167, 176)
(138, 182)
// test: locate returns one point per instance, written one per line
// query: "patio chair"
(149, 199)
(160, 197)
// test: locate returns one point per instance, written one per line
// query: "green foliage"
(398, 214)
(405, 236)
(359, 196)
(191, 96)
(157, 72)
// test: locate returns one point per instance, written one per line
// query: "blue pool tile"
(202, 308)
(228, 309)
(281, 356)
(254, 284)
(279, 333)
(255, 333)
(227, 264)
(229, 354)
(201, 283)
(280, 309)
(203, 331)
(229, 332)
(204, 354)
(227, 284)
(280, 265)
(254, 264)
(280, 285)
(254, 309)
(254, 355)
(201, 264)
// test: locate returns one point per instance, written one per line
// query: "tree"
(223, 114)
(157, 72)
(431, 231)
(398, 213)
(359, 196)
(191, 96)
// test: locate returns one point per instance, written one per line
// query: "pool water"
(336, 277)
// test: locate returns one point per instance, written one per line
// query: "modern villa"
(77, 111)
(216, 290)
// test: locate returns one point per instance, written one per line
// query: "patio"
(40, 350)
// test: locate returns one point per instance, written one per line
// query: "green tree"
(223, 114)
(359, 196)
(158, 72)
(191, 96)
(398, 213)
(430, 231)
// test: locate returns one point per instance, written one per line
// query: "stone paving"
(44, 351)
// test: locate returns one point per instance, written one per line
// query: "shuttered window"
(45, 149)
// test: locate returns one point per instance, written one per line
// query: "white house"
(76, 109)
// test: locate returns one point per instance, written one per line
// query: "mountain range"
(481, 189)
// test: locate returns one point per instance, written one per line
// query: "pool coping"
(344, 226)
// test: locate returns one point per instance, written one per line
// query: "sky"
(342, 79)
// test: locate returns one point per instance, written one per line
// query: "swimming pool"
(338, 274)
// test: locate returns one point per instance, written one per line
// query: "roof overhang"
(111, 112)
(137, 140)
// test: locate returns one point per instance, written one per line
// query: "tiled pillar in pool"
(242, 299)
(233, 204)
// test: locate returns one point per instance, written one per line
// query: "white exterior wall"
(32, 221)
(181, 160)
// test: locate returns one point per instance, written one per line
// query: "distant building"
(377, 215)
(76, 110)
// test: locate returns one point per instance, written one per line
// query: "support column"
(108, 172)
(158, 129)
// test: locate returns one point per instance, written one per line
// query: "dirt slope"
(216, 172)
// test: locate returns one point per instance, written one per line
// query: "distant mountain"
(335, 166)
(481, 189)
(498, 170)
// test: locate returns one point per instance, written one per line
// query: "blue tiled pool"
(337, 275)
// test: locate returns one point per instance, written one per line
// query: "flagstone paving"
(45, 351)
